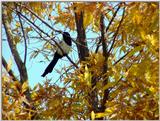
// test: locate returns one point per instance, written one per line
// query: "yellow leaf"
(28, 29)
(9, 65)
(48, 46)
(155, 5)
(100, 115)
(133, 84)
(15, 85)
(152, 39)
(50, 8)
(16, 39)
(108, 110)
(92, 115)
(123, 48)
(17, 110)
(148, 76)
(152, 89)
(34, 95)
(24, 86)
(87, 76)
(59, 8)
(143, 34)
(138, 19)
(88, 19)
(18, 24)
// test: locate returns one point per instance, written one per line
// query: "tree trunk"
(83, 50)
(105, 65)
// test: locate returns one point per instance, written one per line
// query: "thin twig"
(25, 41)
(116, 33)
(110, 22)
(121, 58)
(105, 65)
(114, 15)
(115, 83)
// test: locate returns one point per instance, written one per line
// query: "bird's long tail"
(51, 65)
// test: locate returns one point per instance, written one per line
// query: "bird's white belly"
(66, 48)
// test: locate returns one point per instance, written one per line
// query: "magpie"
(65, 46)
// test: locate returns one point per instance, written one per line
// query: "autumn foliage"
(118, 78)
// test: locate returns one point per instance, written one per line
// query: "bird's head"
(67, 38)
(66, 34)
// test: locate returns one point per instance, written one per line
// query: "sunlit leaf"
(93, 115)
(100, 115)
(16, 39)
(9, 65)
(87, 76)
(24, 86)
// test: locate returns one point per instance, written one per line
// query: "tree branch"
(105, 64)
(104, 46)
(21, 67)
(110, 22)
(25, 41)
(10, 72)
(116, 33)
(83, 50)
(121, 58)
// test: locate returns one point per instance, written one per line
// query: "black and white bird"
(65, 46)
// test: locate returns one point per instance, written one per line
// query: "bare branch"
(116, 83)
(116, 33)
(121, 58)
(98, 45)
(114, 15)
(21, 67)
(110, 22)
(104, 46)
(24, 36)
(105, 64)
